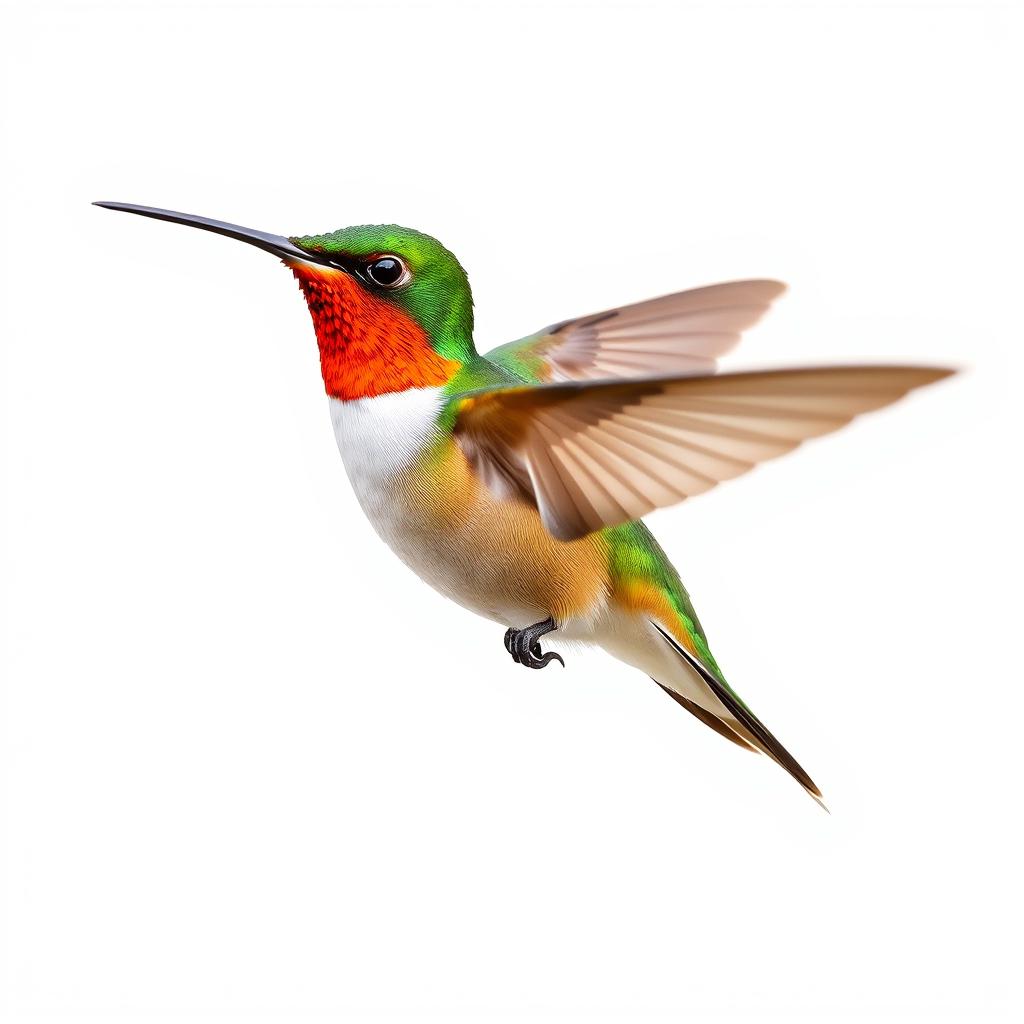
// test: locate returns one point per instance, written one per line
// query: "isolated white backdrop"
(255, 770)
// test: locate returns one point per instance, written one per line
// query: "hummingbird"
(515, 482)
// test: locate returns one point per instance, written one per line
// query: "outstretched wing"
(592, 455)
(679, 334)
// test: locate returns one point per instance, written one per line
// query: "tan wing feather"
(601, 454)
(678, 334)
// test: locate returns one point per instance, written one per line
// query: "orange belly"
(493, 555)
(489, 554)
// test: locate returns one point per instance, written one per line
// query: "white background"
(254, 770)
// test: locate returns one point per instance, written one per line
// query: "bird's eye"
(387, 271)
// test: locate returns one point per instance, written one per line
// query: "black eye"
(387, 271)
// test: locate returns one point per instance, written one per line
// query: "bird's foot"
(524, 645)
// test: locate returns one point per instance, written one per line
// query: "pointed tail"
(742, 726)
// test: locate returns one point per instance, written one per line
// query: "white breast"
(378, 439)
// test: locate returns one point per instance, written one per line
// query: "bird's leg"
(524, 645)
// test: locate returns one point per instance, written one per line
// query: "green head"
(407, 269)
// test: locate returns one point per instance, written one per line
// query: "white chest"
(380, 438)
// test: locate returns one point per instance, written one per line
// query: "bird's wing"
(591, 455)
(681, 334)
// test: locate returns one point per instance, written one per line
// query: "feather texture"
(593, 455)
(679, 334)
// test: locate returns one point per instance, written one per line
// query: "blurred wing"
(596, 455)
(679, 334)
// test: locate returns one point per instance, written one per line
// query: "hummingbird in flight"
(515, 482)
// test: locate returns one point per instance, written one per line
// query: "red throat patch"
(367, 346)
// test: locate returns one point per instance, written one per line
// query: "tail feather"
(710, 720)
(756, 733)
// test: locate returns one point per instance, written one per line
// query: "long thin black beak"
(276, 244)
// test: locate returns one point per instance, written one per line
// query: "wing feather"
(593, 455)
(682, 334)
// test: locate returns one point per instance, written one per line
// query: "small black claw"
(524, 645)
(544, 660)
